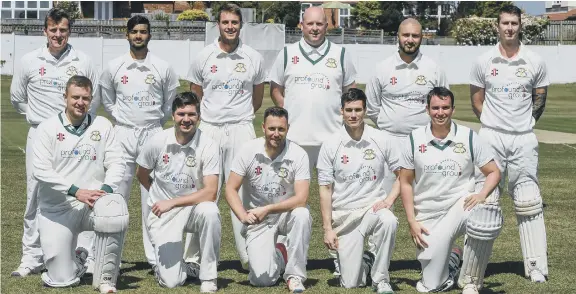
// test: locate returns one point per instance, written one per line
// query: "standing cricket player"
(36, 91)
(229, 78)
(442, 202)
(186, 165)
(137, 91)
(308, 79)
(78, 165)
(276, 174)
(397, 92)
(509, 84)
(354, 204)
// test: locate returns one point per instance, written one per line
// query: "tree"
(375, 15)
(71, 7)
(480, 8)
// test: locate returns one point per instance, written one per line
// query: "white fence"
(455, 60)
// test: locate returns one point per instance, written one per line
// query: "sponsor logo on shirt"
(364, 174)
(331, 63)
(315, 80)
(230, 87)
(459, 148)
(446, 168)
(270, 190)
(141, 99)
(393, 81)
(60, 137)
(511, 91)
(81, 152)
(412, 97)
(180, 181)
(295, 60)
(58, 83)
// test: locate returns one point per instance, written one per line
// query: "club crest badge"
(283, 172)
(190, 161)
(150, 79)
(369, 154)
(420, 80)
(71, 71)
(331, 63)
(459, 148)
(521, 72)
(95, 136)
(240, 67)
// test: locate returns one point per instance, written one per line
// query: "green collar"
(321, 56)
(71, 129)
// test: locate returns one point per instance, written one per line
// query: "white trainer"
(336, 272)
(470, 289)
(537, 277)
(24, 271)
(105, 288)
(383, 288)
(208, 286)
(295, 284)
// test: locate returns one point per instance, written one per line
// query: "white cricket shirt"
(397, 93)
(508, 85)
(270, 181)
(39, 82)
(179, 170)
(67, 159)
(444, 169)
(138, 92)
(313, 79)
(356, 168)
(228, 81)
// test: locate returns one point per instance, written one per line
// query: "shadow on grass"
(507, 267)
(231, 265)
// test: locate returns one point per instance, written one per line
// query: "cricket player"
(353, 201)
(182, 195)
(509, 85)
(397, 92)
(229, 77)
(308, 79)
(78, 165)
(36, 91)
(137, 91)
(276, 174)
(442, 201)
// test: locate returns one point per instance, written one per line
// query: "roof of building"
(562, 16)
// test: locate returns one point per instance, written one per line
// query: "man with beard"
(137, 91)
(37, 87)
(186, 165)
(308, 79)
(442, 201)
(397, 92)
(229, 78)
(276, 174)
(509, 84)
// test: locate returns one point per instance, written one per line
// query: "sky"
(532, 7)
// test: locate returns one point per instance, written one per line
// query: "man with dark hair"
(352, 166)
(186, 166)
(442, 201)
(276, 176)
(137, 91)
(36, 91)
(78, 165)
(508, 87)
(229, 77)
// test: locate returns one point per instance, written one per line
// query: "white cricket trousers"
(132, 141)
(266, 264)
(380, 227)
(443, 232)
(167, 233)
(230, 137)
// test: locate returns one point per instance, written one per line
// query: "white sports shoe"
(295, 285)
(383, 288)
(537, 277)
(107, 288)
(421, 288)
(208, 286)
(192, 270)
(336, 272)
(470, 289)
(24, 271)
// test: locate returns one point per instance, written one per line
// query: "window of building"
(6, 4)
(345, 18)
(25, 9)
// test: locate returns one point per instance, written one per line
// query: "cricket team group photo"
(298, 179)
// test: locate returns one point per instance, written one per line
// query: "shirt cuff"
(72, 191)
(106, 188)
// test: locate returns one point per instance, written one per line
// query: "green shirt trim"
(72, 191)
(70, 128)
(317, 60)
(106, 188)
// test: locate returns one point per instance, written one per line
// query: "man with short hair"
(186, 165)
(509, 85)
(137, 91)
(442, 201)
(78, 165)
(276, 175)
(36, 91)
(351, 169)
(228, 76)
(308, 79)
(397, 91)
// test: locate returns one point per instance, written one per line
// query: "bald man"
(397, 91)
(308, 79)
